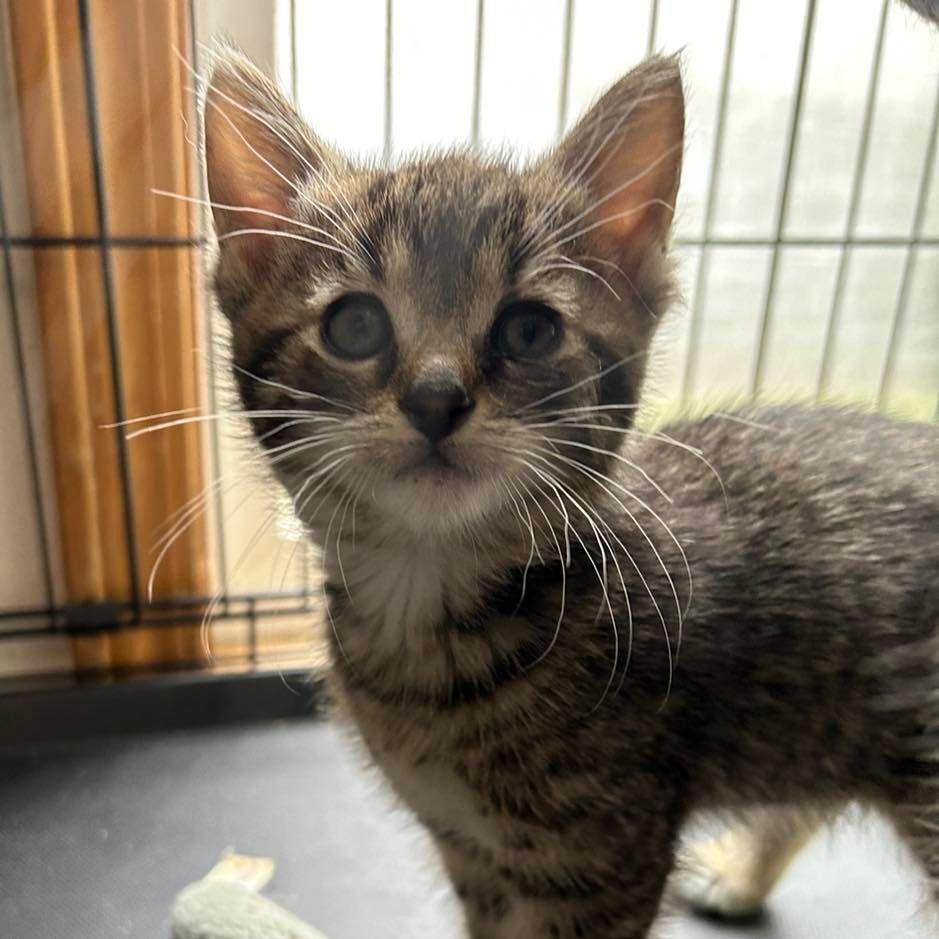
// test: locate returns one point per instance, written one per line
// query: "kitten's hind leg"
(917, 822)
(912, 800)
(731, 876)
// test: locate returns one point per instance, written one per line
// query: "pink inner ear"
(627, 151)
(247, 167)
(258, 151)
(636, 187)
(234, 181)
(254, 248)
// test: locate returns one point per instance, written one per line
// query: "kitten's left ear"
(257, 152)
(627, 153)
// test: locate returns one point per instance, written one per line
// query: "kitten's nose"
(437, 403)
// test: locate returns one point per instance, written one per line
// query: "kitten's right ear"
(257, 151)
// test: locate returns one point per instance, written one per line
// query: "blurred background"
(150, 576)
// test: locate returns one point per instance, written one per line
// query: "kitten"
(928, 9)
(558, 635)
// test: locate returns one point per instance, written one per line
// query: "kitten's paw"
(710, 894)
(716, 879)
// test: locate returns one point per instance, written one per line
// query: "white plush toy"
(226, 904)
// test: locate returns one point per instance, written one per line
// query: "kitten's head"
(453, 335)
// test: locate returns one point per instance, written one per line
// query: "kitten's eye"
(356, 326)
(527, 330)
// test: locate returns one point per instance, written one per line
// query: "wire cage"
(803, 280)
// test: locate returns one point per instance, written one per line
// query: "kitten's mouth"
(437, 488)
(433, 464)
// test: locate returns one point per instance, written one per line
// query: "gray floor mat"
(96, 839)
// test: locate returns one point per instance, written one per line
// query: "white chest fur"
(395, 584)
(401, 587)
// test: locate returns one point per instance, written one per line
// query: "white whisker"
(294, 392)
(561, 559)
(579, 384)
(616, 456)
(148, 417)
(576, 176)
(203, 418)
(669, 151)
(626, 213)
(531, 553)
(602, 481)
(585, 410)
(565, 263)
(553, 482)
(264, 120)
(290, 236)
(649, 435)
(540, 455)
(253, 210)
(737, 419)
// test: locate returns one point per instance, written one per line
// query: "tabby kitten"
(556, 634)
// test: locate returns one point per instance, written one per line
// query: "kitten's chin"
(436, 497)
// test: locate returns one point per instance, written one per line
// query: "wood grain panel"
(141, 120)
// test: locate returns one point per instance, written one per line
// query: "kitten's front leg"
(536, 903)
(488, 906)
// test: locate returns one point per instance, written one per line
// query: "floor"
(96, 838)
